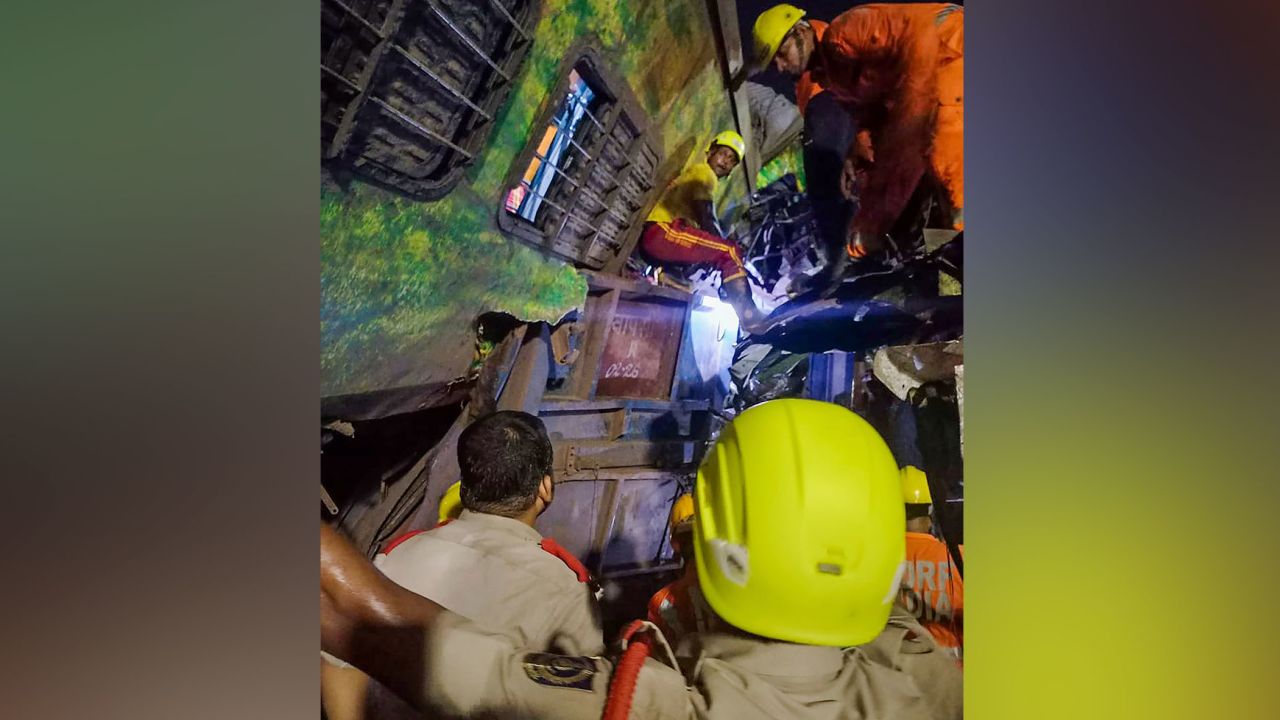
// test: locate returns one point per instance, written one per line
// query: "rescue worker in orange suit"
(931, 591)
(829, 133)
(900, 69)
(682, 228)
(799, 544)
(489, 564)
(679, 609)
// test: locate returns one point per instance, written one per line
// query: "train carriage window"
(587, 173)
(410, 88)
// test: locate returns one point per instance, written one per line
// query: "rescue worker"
(682, 228)
(900, 69)
(450, 504)
(829, 133)
(679, 609)
(798, 543)
(489, 564)
(931, 590)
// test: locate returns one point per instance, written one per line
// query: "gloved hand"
(857, 163)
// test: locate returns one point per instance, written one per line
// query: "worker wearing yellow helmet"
(451, 503)
(900, 68)
(798, 544)
(931, 589)
(682, 228)
(679, 608)
(829, 133)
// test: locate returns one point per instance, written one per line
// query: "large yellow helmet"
(799, 530)
(915, 486)
(451, 502)
(771, 27)
(730, 139)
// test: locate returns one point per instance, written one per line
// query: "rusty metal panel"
(619, 462)
(615, 419)
(636, 533)
(616, 524)
(577, 456)
(573, 516)
(639, 355)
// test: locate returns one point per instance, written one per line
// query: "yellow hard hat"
(451, 502)
(799, 532)
(730, 139)
(682, 510)
(915, 486)
(771, 27)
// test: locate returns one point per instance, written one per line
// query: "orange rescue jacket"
(896, 64)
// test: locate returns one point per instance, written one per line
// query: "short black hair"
(918, 510)
(503, 457)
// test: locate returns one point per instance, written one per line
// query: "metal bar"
(557, 170)
(415, 125)
(466, 39)
(588, 113)
(574, 200)
(607, 208)
(503, 9)
(453, 91)
(569, 136)
(358, 16)
(653, 569)
(341, 78)
(595, 236)
(582, 187)
(605, 531)
(564, 211)
(329, 504)
(545, 199)
(417, 63)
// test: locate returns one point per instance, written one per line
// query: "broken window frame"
(476, 105)
(619, 106)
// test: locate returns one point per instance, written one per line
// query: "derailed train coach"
(486, 169)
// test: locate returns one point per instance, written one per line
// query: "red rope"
(566, 557)
(622, 687)
(396, 542)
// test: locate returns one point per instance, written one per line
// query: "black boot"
(834, 274)
(738, 293)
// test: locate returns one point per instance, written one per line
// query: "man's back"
(932, 591)
(901, 675)
(492, 570)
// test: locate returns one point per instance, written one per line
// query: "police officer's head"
(505, 459)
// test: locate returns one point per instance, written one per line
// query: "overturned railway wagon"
(487, 166)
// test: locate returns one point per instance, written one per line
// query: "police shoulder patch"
(562, 671)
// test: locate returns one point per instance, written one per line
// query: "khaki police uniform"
(901, 675)
(492, 570)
